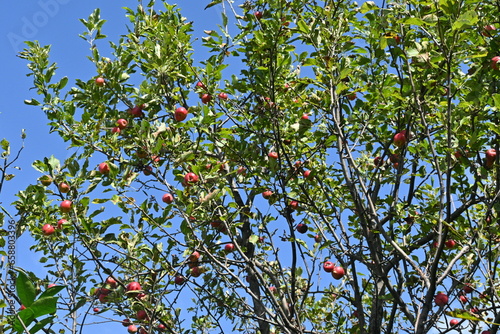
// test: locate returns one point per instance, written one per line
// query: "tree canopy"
(329, 167)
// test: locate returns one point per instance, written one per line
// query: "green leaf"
(466, 20)
(39, 166)
(253, 239)
(52, 291)
(496, 99)
(53, 163)
(25, 289)
(26, 316)
(414, 21)
(63, 83)
(213, 3)
(99, 200)
(40, 324)
(32, 102)
(5, 144)
(44, 305)
(463, 315)
(40, 307)
(367, 6)
(302, 26)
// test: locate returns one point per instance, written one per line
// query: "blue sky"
(56, 22)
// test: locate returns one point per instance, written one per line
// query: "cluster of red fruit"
(65, 207)
(441, 300)
(195, 269)
(205, 96)
(120, 125)
(337, 271)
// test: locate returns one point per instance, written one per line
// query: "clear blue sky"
(56, 22)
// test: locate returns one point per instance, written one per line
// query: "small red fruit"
(96, 310)
(111, 282)
(273, 155)
(99, 81)
(441, 299)
(258, 15)
(267, 194)
(400, 138)
(133, 286)
(180, 114)
(179, 280)
(46, 180)
(61, 223)
(194, 257)
(148, 170)
(196, 271)
(116, 130)
(22, 308)
(50, 285)
(318, 238)
(301, 228)
(167, 198)
(454, 322)
(450, 243)
(141, 315)
(305, 117)
(141, 153)
(104, 168)
(241, 170)
(103, 298)
(122, 123)
(351, 96)
(219, 226)
(126, 322)
(463, 299)
(487, 29)
(191, 178)
(132, 329)
(494, 62)
(394, 158)
(338, 272)
(328, 266)
(293, 205)
(307, 174)
(229, 248)
(63, 187)
(223, 96)
(201, 85)
(467, 288)
(136, 111)
(161, 327)
(377, 161)
(491, 156)
(206, 98)
(66, 205)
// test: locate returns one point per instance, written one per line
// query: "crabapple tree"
(325, 164)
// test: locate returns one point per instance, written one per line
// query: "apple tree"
(319, 167)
